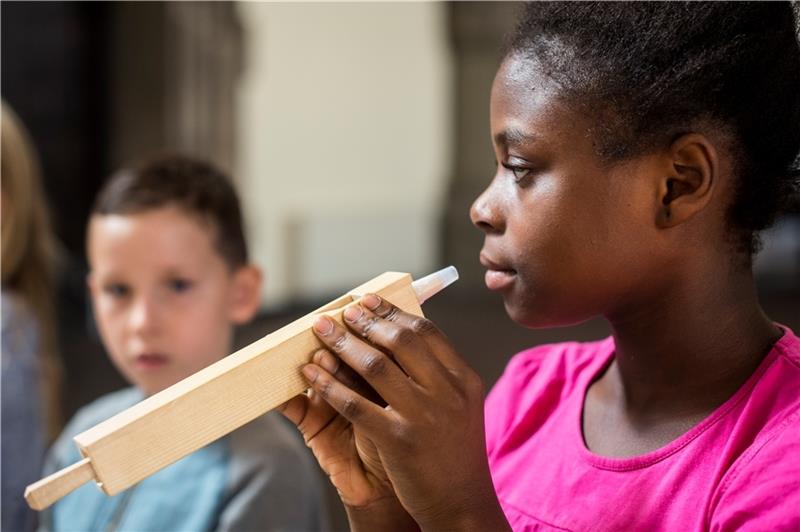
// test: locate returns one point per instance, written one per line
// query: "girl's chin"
(524, 315)
(537, 317)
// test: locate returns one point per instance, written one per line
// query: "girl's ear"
(245, 298)
(690, 183)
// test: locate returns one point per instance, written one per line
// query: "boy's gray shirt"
(271, 482)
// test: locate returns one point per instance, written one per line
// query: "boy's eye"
(117, 290)
(180, 285)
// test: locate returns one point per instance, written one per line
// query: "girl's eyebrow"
(513, 136)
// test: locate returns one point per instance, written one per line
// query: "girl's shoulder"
(539, 382)
(788, 347)
(565, 361)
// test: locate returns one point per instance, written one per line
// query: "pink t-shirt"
(739, 469)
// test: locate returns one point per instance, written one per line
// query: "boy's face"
(164, 299)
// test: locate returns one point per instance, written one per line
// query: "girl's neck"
(686, 351)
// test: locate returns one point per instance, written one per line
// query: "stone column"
(174, 74)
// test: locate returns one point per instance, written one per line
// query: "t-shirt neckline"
(648, 459)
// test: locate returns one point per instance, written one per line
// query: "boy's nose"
(144, 315)
(485, 214)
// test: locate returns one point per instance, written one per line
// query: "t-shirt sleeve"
(274, 488)
(764, 492)
(503, 399)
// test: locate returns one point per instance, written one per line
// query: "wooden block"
(213, 402)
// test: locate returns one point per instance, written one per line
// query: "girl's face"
(567, 236)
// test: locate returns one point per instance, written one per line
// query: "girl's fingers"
(295, 409)
(409, 350)
(356, 409)
(424, 329)
(377, 369)
(311, 413)
(345, 374)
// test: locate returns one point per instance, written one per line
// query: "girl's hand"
(348, 458)
(428, 442)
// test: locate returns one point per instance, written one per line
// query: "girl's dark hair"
(195, 186)
(650, 71)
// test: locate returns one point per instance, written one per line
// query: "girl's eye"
(519, 172)
(116, 290)
(180, 285)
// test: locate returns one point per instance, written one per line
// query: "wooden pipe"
(215, 401)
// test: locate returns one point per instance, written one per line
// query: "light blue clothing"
(259, 477)
(23, 424)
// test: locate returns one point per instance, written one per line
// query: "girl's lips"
(150, 361)
(499, 279)
(498, 276)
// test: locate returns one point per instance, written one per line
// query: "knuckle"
(365, 331)
(475, 385)
(460, 399)
(340, 343)
(401, 337)
(422, 326)
(390, 313)
(374, 365)
(402, 436)
(351, 407)
(324, 387)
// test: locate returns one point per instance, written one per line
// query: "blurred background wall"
(357, 135)
(343, 116)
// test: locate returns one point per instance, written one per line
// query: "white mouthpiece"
(434, 283)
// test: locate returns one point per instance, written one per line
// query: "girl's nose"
(485, 212)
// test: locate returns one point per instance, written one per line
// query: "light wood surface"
(211, 403)
(45, 492)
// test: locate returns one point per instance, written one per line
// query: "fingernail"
(371, 301)
(353, 313)
(323, 325)
(310, 373)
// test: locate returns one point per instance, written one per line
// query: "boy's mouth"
(150, 361)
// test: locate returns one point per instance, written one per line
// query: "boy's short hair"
(195, 186)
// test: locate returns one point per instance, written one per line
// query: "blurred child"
(640, 149)
(169, 279)
(30, 375)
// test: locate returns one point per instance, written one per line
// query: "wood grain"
(45, 492)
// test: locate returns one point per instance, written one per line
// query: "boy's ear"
(91, 284)
(245, 294)
(690, 181)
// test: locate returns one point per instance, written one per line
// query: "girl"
(30, 375)
(641, 148)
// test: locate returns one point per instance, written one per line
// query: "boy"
(169, 279)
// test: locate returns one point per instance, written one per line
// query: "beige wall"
(343, 149)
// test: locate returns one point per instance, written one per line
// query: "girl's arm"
(426, 445)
